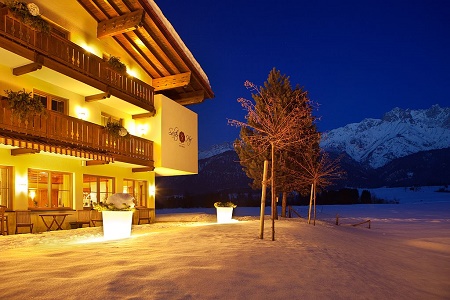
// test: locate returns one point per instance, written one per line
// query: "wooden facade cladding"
(62, 134)
(59, 54)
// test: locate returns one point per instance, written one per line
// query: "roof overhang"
(142, 30)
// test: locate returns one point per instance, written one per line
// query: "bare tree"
(317, 171)
(276, 125)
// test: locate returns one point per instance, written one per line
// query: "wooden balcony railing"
(65, 131)
(66, 57)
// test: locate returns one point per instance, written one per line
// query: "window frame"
(9, 189)
(87, 199)
(52, 204)
(50, 98)
(142, 198)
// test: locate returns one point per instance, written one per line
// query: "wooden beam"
(171, 82)
(95, 162)
(97, 97)
(147, 169)
(145, 115)
(27, 69)
(191, 98)
(21, 151)
(121, 24)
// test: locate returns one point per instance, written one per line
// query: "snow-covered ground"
(186, 255)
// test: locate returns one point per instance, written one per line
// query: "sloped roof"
(156, 46)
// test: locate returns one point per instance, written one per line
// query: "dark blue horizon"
(356, 59)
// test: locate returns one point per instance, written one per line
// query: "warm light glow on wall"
(82, 113)
(132, 73)
(142, 129)
(152, 190)
(21, 184)
(90, 49)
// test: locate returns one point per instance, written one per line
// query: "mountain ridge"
(399, 133)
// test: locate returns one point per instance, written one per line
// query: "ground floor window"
(96, 189)
(138, 189)
(49, 189)
(5, 186)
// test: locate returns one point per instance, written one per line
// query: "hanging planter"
(24, 105)
(116, 130)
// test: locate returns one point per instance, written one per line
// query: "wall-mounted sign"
(179, 136)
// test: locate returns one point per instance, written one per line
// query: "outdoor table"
(54, 220)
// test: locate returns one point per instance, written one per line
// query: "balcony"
(61, 55)
(67, 135)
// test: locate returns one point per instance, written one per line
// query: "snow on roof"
(178, 40)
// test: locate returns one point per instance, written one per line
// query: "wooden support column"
(146, 169)
(97, 97)
(95, 162)
(21, 151)
(171, 82)
(27, 69)
(191, 98)
(120, 24)
(144, 115)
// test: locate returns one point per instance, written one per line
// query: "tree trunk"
(283, 205)
(310, 203)
(272, 174)
(263, 199)
(314, 188)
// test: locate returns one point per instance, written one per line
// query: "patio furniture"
(23, 219)
(144, 215)
(54, 218)
(96, 216)
(83, 218)
(3, 221)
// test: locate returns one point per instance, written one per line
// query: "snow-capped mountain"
(215, 150)
(399, 133)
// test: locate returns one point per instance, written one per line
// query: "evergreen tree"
(278, 120)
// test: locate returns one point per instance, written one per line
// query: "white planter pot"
(224, 214)
(117, 224)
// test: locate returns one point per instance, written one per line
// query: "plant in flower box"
(117, 213)
(24, 105)
(28, 14)
(224, 211)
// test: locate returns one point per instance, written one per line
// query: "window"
(49, 189)
(5, 186)
(52, 102)
(138, 189)
(96, 189)
(109, 118)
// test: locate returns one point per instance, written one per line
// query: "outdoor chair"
(144, 215)
(4, 221)
(23, 219)
(96, 216)
(83, 218)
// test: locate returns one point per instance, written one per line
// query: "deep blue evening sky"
(357, 59)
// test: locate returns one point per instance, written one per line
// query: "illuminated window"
(96, 189)
(52, 102)
(49, 189)
(109, 118)
(5, 186)
(138, 189)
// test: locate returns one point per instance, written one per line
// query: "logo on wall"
(180, 137)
